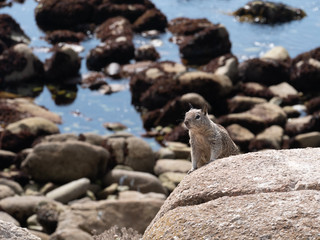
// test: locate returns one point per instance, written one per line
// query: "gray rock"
(83, 160)
(240, 135)
(9, 231)
(69, 191)
(269, 194)
(140, 181)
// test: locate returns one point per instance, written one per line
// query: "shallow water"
(90, 109)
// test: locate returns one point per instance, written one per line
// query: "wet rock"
(131, 151)
(67, 36)
(310, 139)
(21, 207)
(270, 138)
(114, 28)
(313, 105)
(287, 93)
(64, 63)
(254, 89)
(251, 196)
(152, 19)
(277, 53)
(257, 118)
(305, 124)
(305, 71)
(85, 160)
(119, 50)
(8, 218)
(264, 71)
(69, 191)
(172, 165)
(240, 135)
(139, 181)
(102, 215)
(266, 12)
(19, 64)
(21, 134)
(243, 103)
(10, 231)
(146, 52)
(11, 33)
(224, 65)
(12, 110)
(131, 10)
(7, 158)
(55, 14)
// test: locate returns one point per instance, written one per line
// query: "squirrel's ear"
(190, 105)
(205, 109)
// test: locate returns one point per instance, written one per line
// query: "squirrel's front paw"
(191, 170)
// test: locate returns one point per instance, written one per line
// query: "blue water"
(248, 41)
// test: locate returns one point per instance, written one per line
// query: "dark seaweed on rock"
(266, 12)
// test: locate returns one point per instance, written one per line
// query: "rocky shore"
(77, 186)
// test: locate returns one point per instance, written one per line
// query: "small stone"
(172, 165)
(311, 139)
(115, 126)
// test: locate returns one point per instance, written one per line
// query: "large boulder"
(68, 161)
(269, 194)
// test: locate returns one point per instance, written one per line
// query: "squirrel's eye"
(197, 117)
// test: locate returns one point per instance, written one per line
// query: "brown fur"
(209, 141)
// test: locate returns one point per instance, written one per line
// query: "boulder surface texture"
(262, 195)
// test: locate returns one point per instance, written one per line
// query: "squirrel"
(209, 141)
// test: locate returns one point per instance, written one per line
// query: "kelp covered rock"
(266, 12)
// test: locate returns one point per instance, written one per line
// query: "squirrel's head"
(196, 118)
